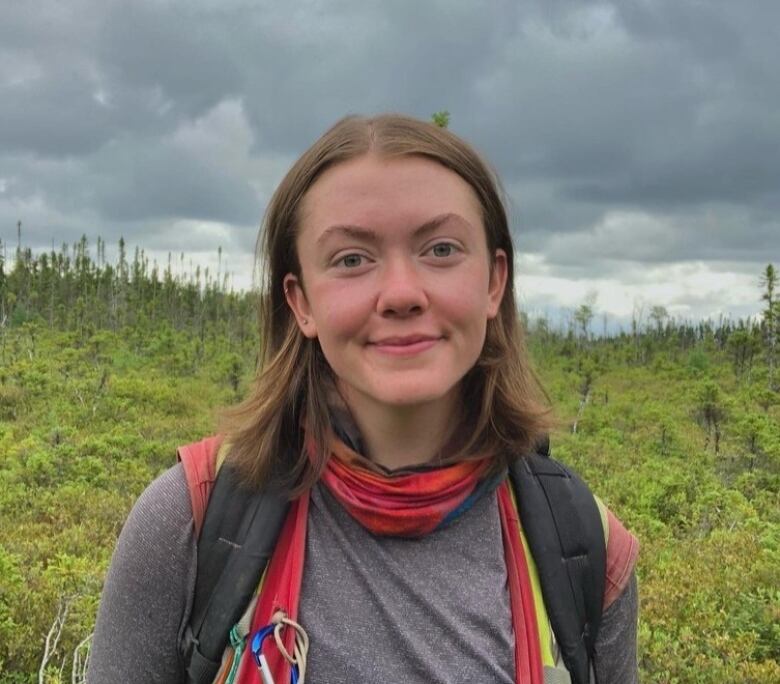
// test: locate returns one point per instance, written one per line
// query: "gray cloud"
(648, 108)
(135, 182)
(632, 132)
(54, 115)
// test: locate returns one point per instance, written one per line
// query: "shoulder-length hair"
(504, 403)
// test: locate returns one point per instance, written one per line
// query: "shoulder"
(572, 502)
(615, 657)
(147, 593)
(157, 538)
(163, 506)
(622, 553)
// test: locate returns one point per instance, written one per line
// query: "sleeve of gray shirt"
(615, 659)
(147, 597)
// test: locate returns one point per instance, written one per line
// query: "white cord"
(300, 647)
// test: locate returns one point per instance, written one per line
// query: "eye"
(351, 260)
(443, 249)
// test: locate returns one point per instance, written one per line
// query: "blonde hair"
(504, 406)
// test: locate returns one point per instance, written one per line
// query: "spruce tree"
(771, 321)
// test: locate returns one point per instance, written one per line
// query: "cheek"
(340, 310)
(466, 302)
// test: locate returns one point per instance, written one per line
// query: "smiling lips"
(405, 346)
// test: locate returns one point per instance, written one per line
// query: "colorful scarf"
(409, 504)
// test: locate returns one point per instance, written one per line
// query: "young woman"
(394, 394)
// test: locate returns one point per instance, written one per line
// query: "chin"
(410, 397)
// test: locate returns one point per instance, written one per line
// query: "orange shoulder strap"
(199, 460)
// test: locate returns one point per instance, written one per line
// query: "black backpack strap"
(238, 537)
(563, 526)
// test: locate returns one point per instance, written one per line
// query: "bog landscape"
(106, 367)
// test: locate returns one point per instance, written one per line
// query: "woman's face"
(397, 283)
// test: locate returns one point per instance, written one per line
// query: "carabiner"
(262, 664)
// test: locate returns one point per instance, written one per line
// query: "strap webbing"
(230, 565)
(563, 526)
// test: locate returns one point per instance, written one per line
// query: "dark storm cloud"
(133, 183)
(635, 131)
(413, 57)
(56, 96)
(188, 54)
(29, 122)
(134, 180)
(298, 70)
(666, 108)
(601, 67)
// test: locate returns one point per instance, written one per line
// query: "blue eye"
(443, 249)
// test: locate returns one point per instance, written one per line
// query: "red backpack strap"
(199, 460)
(622, 551)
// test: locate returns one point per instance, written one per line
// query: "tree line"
(71, 290)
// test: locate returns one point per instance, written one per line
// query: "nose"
(401, 290)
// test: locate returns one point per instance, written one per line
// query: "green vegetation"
(105, 368)
(441, 119)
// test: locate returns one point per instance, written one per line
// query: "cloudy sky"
(638, 140)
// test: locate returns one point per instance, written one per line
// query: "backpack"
(237, 530)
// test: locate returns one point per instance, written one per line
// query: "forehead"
(377, 191)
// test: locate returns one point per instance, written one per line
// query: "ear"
(296, 300)
(497, 285)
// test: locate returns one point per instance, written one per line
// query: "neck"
(404, 436)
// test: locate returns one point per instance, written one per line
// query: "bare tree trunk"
(583, 402)
(81, 661)
(53, 637)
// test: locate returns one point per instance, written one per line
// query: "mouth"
(405, 346)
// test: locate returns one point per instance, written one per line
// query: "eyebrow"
(370, 235)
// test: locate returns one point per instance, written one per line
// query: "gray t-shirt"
(376, 609)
